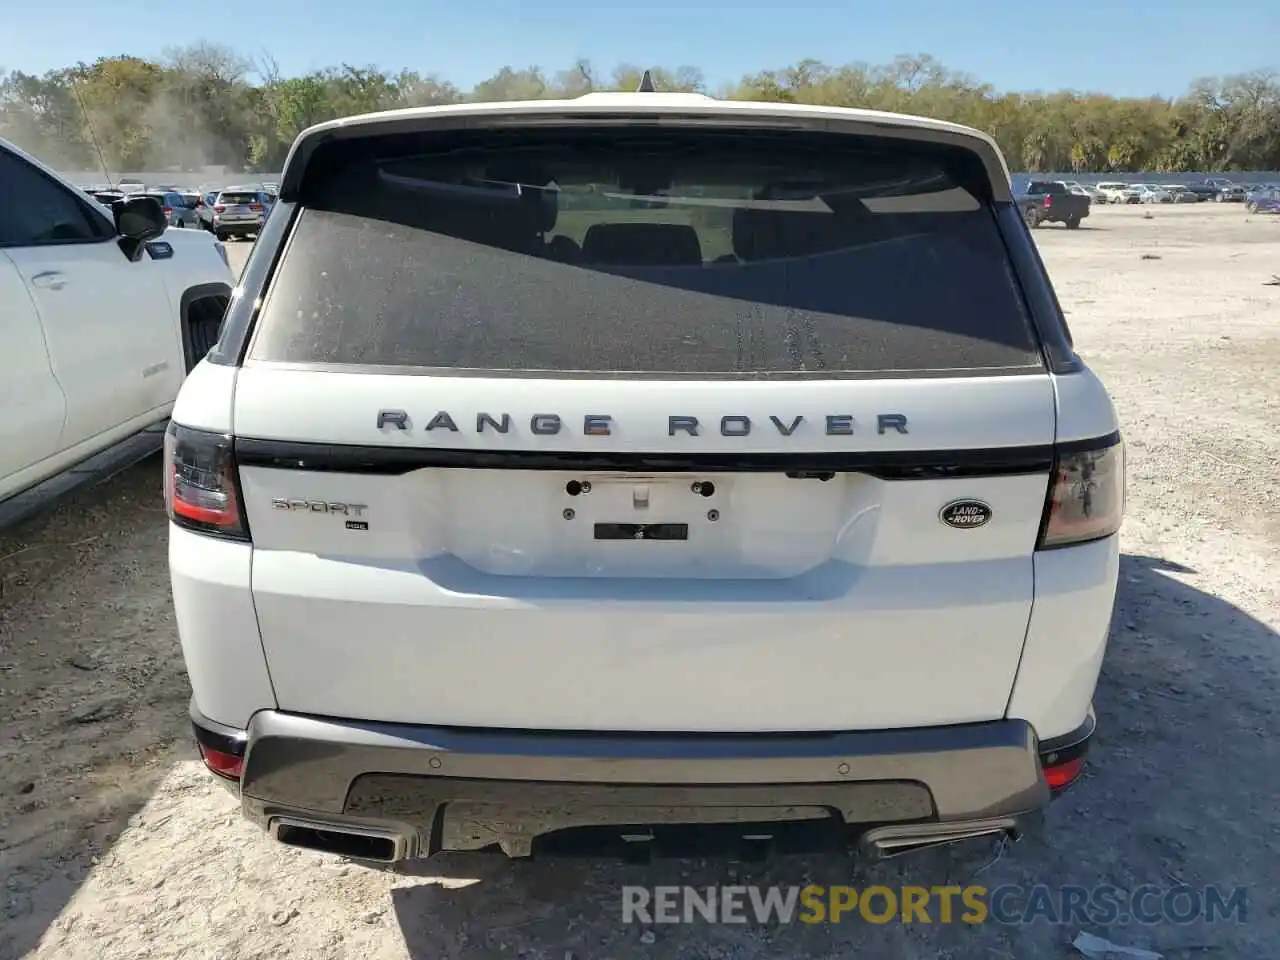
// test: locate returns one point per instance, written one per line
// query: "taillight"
(1060, 775)
(1086, 493)
(1048, 201)
(201, 486)
(255, 207)
(224, 764)
(168, 211)
(219, 208)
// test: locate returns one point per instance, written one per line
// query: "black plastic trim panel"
(1042, 302)
(237, 325)
(1068, 447)
(702, 376)
(1070, 745)
(216, 736)
(200, 291)
(305, 763)
(394, 461)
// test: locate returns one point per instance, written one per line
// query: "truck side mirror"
(138, 220)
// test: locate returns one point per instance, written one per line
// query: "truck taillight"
(1048, 201)
(219, 208)
(201, 483)
(1086, 493)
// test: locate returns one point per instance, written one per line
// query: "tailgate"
(394, 583)
(644, 427)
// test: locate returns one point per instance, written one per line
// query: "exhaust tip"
(355, 843)
(893, 841)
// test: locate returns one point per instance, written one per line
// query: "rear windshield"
(681, 253)
(238, 198)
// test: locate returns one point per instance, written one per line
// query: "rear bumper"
(440, 788)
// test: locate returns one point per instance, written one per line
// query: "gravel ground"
(114, 844)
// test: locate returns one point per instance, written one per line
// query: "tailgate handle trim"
(642, 531)
(887, 465)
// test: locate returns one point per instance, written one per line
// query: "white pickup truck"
(100, 319)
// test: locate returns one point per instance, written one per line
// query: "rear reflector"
(223, 764)
(1086, 494)
(1061, 775)
(201, 484)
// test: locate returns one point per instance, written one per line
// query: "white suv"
(639, 460)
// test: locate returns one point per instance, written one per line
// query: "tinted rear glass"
(679, 253)
(238, 198)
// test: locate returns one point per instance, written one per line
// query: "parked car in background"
(1231, 193)
(1260, 188)
(205, 210)
(1049, 201)
(176, 211)
(1112, 191)
(1153, 193)
(102, 318)
(1203, 190)
(1083, 190)
(191, 203)
(1125, 193)
(1264, 201)
(1179, 193)
(239, 212)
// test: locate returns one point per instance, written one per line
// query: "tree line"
(208, 105)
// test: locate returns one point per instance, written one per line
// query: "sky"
(1121, 47)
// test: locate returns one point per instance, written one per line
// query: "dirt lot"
(113, 844)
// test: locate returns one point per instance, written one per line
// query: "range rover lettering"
(601, 424)
(641, 461)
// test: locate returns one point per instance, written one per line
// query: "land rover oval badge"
(965, 514)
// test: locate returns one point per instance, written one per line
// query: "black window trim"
(240, 321)
(91, 214)
(1048, 322)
